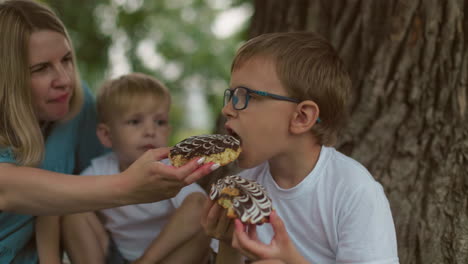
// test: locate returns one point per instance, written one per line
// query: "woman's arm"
(40, 192)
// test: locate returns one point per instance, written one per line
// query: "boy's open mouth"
(233, 133)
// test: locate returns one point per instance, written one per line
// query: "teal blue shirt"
(69, 148)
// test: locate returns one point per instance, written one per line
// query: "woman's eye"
(39, 68)
(67, 59)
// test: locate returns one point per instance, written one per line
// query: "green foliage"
(178, 31)
(91, 45)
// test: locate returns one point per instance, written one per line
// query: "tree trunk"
(408, 126)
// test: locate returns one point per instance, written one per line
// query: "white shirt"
(134, 227)
(337, 214)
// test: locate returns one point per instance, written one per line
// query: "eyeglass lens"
(238, 97)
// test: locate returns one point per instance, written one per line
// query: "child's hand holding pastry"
(280, 248)
(216, 223)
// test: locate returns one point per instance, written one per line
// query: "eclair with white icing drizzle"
(244, 199)
(217, 148)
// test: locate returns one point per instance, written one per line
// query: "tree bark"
(409, 65)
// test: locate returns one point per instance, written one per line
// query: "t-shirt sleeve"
(88, 171)
(7, 156)
(184, 192)
(366, 230)
(88, 145)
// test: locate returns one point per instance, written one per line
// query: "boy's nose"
(150, 130)
(228, 110)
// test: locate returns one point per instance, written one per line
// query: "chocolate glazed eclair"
(244, 199)
(217, 148)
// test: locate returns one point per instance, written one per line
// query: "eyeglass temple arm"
(282, 98)
(277, 96)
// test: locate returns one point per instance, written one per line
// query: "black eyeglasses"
(240, 97)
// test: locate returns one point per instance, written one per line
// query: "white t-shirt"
(337, 214)
(134, 227)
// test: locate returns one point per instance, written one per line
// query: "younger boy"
(133, 118)
(286, 102)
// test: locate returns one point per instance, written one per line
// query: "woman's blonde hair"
(19, 126)
(116, 96)
(309, 68)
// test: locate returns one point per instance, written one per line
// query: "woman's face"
(52, 74)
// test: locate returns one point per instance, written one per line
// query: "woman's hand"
(215, 222)
(281, 248)
(150, 180)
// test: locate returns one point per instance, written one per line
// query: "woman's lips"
(60, 99)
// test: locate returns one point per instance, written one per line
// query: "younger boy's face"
(142, 127)
(262, 127)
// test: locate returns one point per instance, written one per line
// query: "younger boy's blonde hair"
(19, 125)
(310, 69)
(118, 95)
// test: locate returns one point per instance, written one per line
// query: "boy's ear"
(104, 135)
(305, 117)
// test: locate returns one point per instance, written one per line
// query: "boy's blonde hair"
(118, 95)
(309, 68)
(19, 126)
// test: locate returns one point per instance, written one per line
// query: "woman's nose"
(63, 76)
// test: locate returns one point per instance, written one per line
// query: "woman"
(47, 133)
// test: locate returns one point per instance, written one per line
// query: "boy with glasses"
(286, 103)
